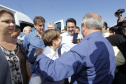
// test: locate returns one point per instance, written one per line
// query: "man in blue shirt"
(33, 40)
(91, 61)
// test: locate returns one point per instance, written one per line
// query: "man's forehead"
(50, 26)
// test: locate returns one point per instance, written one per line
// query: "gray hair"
(93, 22)
(25, 28)
(52, 25)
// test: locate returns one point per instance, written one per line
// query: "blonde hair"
(50, 35)
(38, 19)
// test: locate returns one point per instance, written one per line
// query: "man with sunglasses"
(119, 40)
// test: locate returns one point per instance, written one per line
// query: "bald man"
(26, 30)
(91, 61)
(51, 25)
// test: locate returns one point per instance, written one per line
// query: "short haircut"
(25, 28)
(38, 19)
(105, 25)
(2, 11)
(17, 28)
(93, 22)
(50, 35)
(52, 24)
(112, 30)
(71, 20)
(77, 28)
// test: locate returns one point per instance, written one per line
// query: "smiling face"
(40, 26)
(7, 24)
(71, 28)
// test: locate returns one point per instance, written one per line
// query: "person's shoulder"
(116, 36)
(30, 34)
(115, 39)
(64, 34)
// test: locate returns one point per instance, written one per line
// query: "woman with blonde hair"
(17, 60)
(52, 40)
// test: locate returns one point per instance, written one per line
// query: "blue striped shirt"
(31, 42)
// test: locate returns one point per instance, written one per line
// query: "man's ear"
(85, 26)
(34, 26)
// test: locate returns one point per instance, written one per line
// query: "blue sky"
(54, 10)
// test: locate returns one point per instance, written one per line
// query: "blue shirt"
(92, 61)
(31, 42)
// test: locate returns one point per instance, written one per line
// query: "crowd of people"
(53, 56)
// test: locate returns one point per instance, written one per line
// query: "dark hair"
(38, 19)
(111, 30)
(50, 35)
(71, 20)
(17, 28)
(105, 25)
(2, 11)
(77, 28)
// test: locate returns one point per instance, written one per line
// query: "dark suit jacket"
(5, 76)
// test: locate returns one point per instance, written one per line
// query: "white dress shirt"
(50, 53)
(66, 43)
(106, 34)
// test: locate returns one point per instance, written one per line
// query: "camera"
(119, 12)
(117, 28)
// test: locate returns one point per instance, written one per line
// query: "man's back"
(99, 62)
(92, 61)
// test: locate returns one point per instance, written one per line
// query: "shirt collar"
(49, 50)
(92, 35)
(35, 33)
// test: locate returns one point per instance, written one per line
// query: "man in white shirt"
(67, 37)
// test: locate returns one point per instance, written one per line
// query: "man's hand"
(38, 52)
(78, 40)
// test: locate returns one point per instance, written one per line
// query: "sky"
(55, 10)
